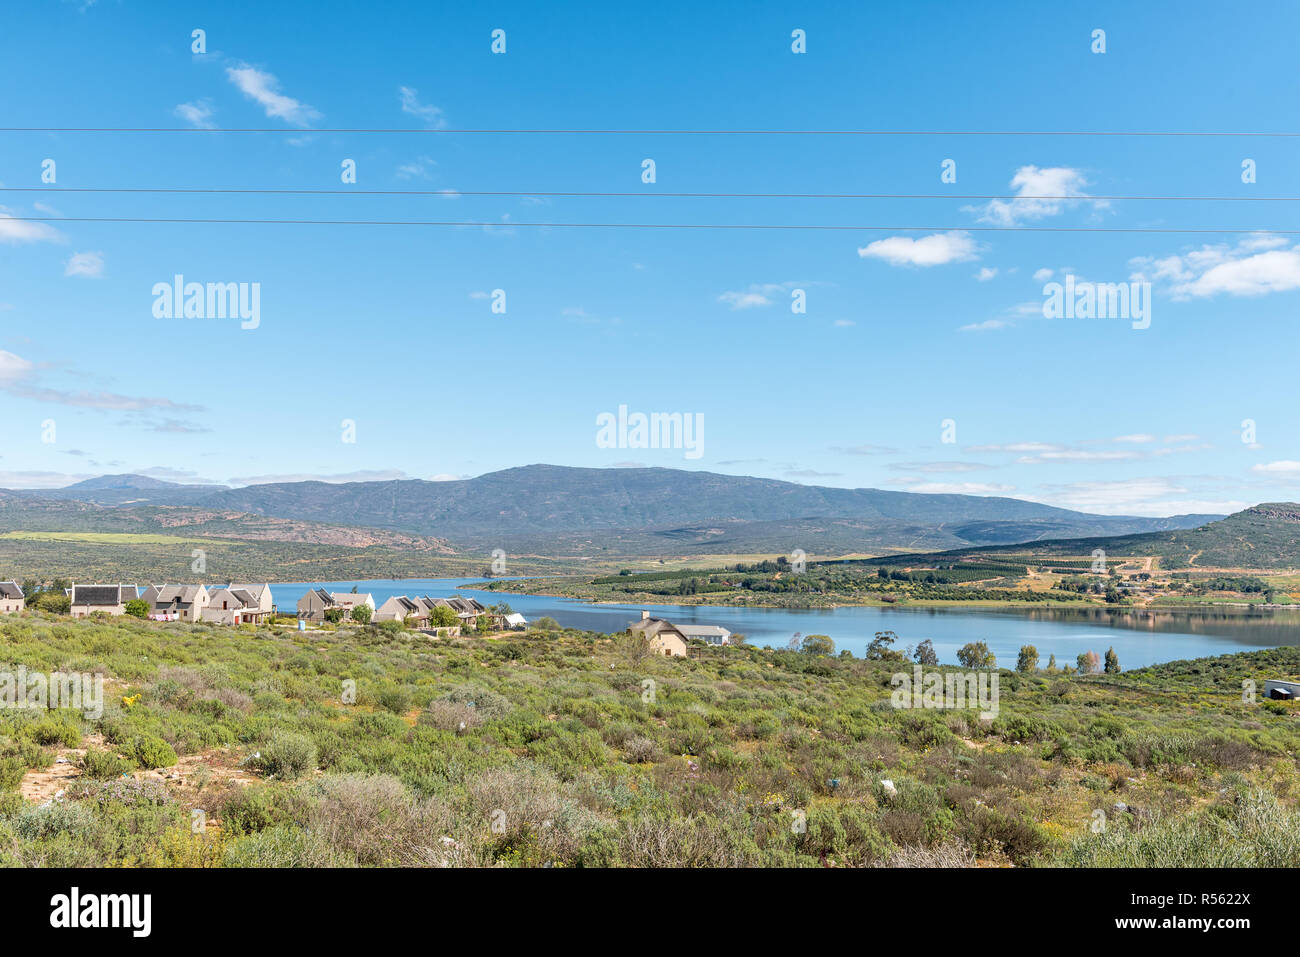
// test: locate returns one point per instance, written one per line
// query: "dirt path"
(218, 767)
(44, 785)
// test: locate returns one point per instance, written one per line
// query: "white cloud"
(744, 300)
(757, 294)
(1153, 496)
(960, 488)
(1140, 438)
(1044, 274)
(86, 265)
(938, 467)
(935, 250)
(1077, 455)
(264, 89)
(16, 231)
(17, 378)
(1256, 265)
(985, 274)
(1285, 467)
(40, 479)
(1014, 447)
(1032, 185)
(419, 167)
(985, 326)
(431, 115)
(13, 367)
(197, 114)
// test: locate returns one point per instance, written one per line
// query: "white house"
(110, 599)
(176, 602)
(316, 602)
(11, 598)
(238, 605)
(713, 634)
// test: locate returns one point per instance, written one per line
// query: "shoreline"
(696, 602)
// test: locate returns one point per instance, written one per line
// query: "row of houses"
(249, 604)
(418, 611)
(669, 639)
(227, 605)
(468, 612)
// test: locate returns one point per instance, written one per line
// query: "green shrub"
(285, 755)
(152, 752)
(100, 764)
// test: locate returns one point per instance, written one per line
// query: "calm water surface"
(1138, 637)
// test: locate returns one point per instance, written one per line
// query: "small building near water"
(713, 634)
(1280, 689)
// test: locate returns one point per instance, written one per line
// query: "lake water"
(1138, 637)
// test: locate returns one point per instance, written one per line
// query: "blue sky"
(390, 327)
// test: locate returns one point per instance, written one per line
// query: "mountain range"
(1263, 536)
(562, 511)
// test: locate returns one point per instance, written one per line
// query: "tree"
(635, 646)
(817, 645)
(443, 617)
(1051, 663)
(333, 614)
(1028, 660)
(484, 624)
(879, 649)
(362, 613)
(976, 654)
(925, 654)
(546, 623)
(137, 608)
(56, 603)
(1112, 662)
(1089, 663)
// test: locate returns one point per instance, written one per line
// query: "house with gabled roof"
(176, 602)
(258, 595)
(11, 598)
(400, 608)
(316, 602)
(109, 599)
(665, 637)
(713, 634)
(238, 605)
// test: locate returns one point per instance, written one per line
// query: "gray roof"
(10, 590)
(703, 631)
(177, 594)
(96, 594)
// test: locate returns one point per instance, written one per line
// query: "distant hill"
(1264, 536)
(123, 481)
(556, 510)
(128, 490)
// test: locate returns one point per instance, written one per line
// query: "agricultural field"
(574, 749)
